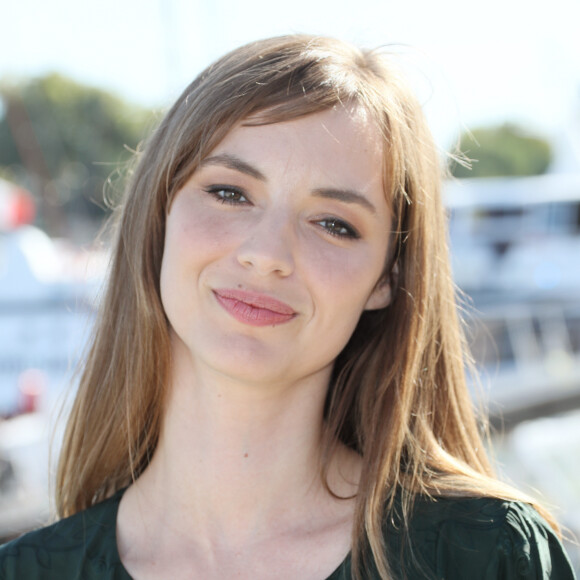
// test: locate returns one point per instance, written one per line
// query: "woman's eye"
(338, 228)
(228, 194)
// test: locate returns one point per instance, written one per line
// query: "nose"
(268, 248)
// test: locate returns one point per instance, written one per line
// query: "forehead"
(339, 121)
(343, 139)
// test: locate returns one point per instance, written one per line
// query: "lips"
(253, 308)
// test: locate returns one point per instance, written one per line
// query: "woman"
(276, 384)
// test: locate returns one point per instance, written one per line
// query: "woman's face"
(275, 246)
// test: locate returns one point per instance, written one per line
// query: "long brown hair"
(398, 395)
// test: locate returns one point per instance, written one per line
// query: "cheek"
(193, 240)
(180, 256)
(196, 237)
(346, 276)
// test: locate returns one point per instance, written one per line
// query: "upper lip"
(256, 299)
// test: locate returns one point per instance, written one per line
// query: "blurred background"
(82, 83)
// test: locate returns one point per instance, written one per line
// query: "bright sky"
(473, 62)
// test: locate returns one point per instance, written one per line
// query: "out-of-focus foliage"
(63, 141)
(507, 150)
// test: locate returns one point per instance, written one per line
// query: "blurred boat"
(516, 252)
(516, 236)
(47, 294)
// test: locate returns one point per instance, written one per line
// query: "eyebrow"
(347, 196)
(233, 162)
(237, 164)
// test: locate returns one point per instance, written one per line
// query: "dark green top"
(451, 538)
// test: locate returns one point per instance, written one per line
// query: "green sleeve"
(514, 543)
(82, 547)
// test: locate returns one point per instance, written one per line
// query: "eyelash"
(219, 192)
(346, 231)
(332, 226)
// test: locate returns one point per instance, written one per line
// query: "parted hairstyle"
(398, 393)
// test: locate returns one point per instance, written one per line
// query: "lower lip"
(252, 315)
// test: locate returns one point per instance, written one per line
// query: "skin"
(296, 212)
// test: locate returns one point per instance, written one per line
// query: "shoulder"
(82, 546)
(483, 538)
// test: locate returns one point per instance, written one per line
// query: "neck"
(237, 458)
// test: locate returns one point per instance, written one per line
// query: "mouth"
(253, 308)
